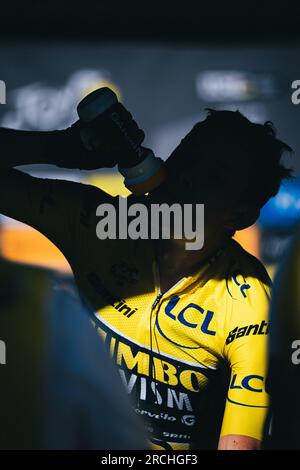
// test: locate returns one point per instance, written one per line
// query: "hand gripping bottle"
(144, 171)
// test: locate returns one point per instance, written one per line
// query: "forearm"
(238, 442)
(29, 147)
(53, 207)
(83, 145)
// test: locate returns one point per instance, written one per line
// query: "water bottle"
(144, 172)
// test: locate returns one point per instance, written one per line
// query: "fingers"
(111, 138)
(136, 134)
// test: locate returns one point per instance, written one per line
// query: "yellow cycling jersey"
(169, 347)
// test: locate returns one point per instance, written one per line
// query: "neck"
(175, 259)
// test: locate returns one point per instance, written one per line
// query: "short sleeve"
(245, 348)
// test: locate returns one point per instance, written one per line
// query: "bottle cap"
(139, 175)
(96, 103)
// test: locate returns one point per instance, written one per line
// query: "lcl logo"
(202, 320)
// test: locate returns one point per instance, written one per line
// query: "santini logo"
(257, 329)
(158, 221)
(2, 92)
(116, 302)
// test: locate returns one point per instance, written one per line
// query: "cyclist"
(170, 317)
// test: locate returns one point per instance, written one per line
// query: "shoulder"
(248, 289)
(246, 275)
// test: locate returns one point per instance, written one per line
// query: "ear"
(243, 218)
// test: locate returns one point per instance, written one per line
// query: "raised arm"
(55, 208)
(65, 148)
(50, 206)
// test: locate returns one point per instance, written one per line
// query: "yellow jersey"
(168, 347)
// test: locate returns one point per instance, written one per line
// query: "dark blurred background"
(169, 20)
(167, 61)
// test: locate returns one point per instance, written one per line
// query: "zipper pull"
(156, 301)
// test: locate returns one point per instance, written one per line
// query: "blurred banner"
(167, 89)
(278, 221)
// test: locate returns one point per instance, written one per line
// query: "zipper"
(160, 294)
(157, 299)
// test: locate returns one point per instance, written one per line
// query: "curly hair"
(227, 138)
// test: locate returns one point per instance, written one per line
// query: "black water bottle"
(143, 171)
